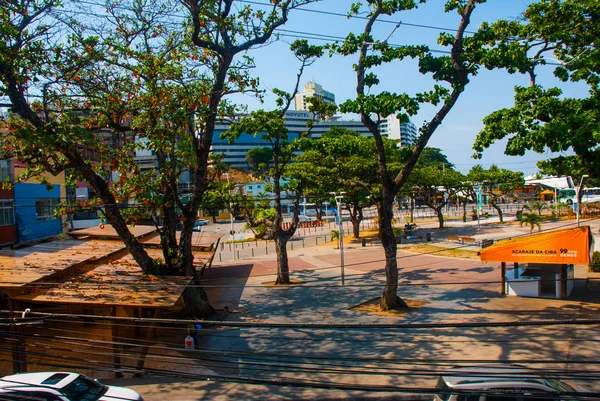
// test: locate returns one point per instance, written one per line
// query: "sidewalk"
(438, 289)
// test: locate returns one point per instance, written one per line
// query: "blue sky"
(488, 91)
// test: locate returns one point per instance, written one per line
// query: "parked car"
(63, 386)
(199, 223)
(501, 383)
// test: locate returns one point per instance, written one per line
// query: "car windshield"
(559, 386)
(84, 389)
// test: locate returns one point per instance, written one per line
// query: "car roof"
(38, 378)
(493, 376)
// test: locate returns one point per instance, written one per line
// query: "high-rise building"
(406, 133)
(312, 89)
(295, 122)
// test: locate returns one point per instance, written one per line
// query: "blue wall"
(28, 228)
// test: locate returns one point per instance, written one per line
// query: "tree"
(539, 206)
(435, 158)
(496, 184)
(150, 87)
(258, 158)
(451, 74)
(542, 119)
(342, 161)
(532, 220)
(436, 187)
(270, 126)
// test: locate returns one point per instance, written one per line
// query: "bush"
(595, 262)
(519, 215)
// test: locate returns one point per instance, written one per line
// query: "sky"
(488, 91)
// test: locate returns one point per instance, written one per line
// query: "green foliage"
(433, 157)
(262, 230)
(536, 206)
(532, 220)
(543, 119)
(335, 235)
(121, 82)
(258, 158)
(595, 262)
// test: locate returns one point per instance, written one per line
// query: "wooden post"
(516, 270)
(503, 278)
(19, 356)
(144, 352)
(137, 313)
(116, 353)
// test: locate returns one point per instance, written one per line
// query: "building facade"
(8, 221)
(312, 89)
(406, 133)
(295, 121)
(35, 204)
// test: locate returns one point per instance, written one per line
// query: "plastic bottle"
(189, 342)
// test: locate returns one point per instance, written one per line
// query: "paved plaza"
(443, 291)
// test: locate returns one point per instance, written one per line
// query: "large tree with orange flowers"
(122, 78)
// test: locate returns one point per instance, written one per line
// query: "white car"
(199, 223)
(62, 386)
(488, 382)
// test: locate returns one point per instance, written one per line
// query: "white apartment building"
(312, 89)
(406, 133)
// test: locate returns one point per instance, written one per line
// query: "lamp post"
(577, 196)
(556, 201)
(338, 202)
(479, 203)
(232, 232)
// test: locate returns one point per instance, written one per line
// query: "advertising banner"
(570, 246)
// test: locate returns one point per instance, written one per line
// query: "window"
(7, 212)
(84, 389)
(44, 209)
(4, 170)
(55, 378)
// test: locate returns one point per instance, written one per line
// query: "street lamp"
(232, 232)
(338, 202)
(577, 197)
(479, 203)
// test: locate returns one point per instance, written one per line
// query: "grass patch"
(440, 251)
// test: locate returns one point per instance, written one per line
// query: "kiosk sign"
(570, 246)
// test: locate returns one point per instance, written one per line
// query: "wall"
(28, 227)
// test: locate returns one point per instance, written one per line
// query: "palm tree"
(539, 206)
(531, 220)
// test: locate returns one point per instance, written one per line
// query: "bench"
(462, 240)
(410, 228)
(453, 238)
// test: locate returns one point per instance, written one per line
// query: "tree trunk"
(139, 254)
(283, 268)
(440, 216)
(196, 302)
(319, 210)
(390, 299)
(464, 205)
(499, 210)
(355, 227)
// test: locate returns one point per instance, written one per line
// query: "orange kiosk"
(542, 263)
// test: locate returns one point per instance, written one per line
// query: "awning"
(569, 246)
